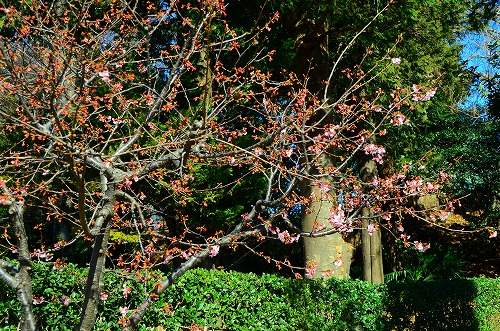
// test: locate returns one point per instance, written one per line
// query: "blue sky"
(475, 54)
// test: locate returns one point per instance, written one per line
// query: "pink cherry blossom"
(422, 94)
(421, 247)
(65, 300)
(444, 215)
(149, 98)
(331, 131)
(286, 238)
(339, 221)
(324, 187)
(396, 60)
(377, 152)
(126, 291)
(38, 300)
(117, 121)
(123, 311)
(414, 185)
(431, 187)
(371, 229)
(104, 75)
(287, 152)
(337, 217)
(399, 119)
(258, 151)
(311, 268)
(213, 250)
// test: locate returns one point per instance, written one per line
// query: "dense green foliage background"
(223, 300)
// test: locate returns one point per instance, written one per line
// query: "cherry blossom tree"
(110, 108)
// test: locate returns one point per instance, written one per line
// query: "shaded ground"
(480, 254)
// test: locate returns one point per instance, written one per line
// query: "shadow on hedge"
(439, 305)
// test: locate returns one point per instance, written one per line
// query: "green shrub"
(53, 285)
(235, 301)
(457, 304)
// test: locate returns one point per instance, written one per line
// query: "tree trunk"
(94, 279)
(371, 240)
(376, 257)
(371, 244)
(366, 246)
(22, 278)
(331, 253)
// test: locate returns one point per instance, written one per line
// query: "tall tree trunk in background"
(330, 254)
(371, 239)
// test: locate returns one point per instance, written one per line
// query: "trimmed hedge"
(234, 301)
(457, 304)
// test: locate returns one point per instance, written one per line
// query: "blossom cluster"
(396, 60)
(331, 131)
(284, 236)
(107, 119)
(339, 221)
(213, 250)
(421, 94)
(311, 268)
(399, 119)
(371, 228)
(377, 152)
(421, 247)
(42, 255)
